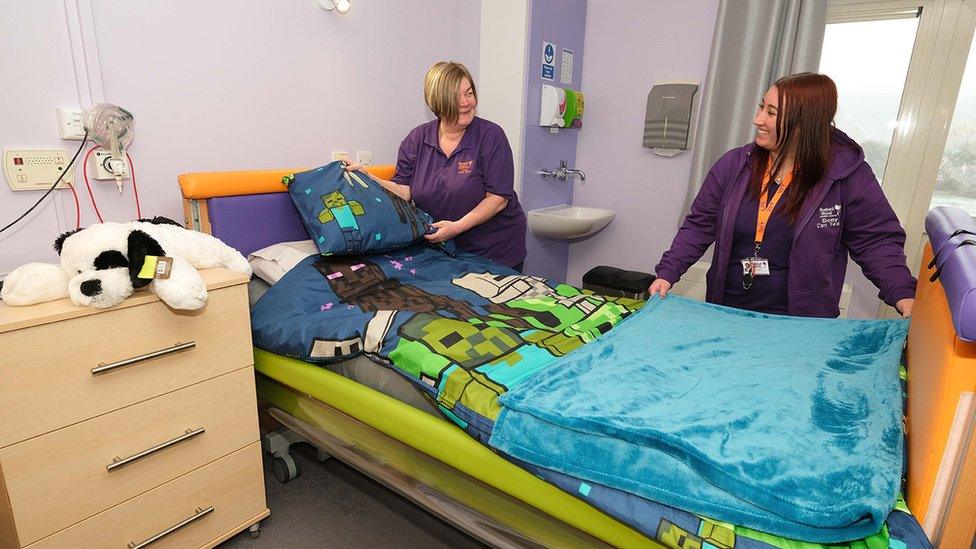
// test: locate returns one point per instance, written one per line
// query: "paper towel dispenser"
(668, 118)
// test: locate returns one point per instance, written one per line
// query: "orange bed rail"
(202, 185)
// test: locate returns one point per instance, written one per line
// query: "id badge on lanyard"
(752, 267)
(756, 265)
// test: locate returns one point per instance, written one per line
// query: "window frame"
(935, 71)
(851, 11)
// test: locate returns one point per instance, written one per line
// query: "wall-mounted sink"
(568, 222)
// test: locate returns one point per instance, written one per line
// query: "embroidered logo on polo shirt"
(465, 167)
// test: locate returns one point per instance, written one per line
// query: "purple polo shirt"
(450, 187)
(767, 293)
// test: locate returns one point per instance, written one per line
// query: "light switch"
(364, 157)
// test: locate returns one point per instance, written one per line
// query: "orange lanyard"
(766, 205)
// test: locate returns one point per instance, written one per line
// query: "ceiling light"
(339, 6)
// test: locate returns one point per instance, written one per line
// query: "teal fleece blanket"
(783, 424)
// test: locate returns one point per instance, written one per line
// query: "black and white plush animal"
(103, 264)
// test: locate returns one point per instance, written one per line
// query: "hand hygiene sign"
(548, 61)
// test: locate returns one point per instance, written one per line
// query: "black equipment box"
(617, 282)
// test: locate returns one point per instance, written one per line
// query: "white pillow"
(271, 263)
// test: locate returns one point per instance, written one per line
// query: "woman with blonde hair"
(459, 169)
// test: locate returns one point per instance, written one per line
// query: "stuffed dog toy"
(103, 264)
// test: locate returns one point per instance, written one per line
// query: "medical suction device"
(110, 127)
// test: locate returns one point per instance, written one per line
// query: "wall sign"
(566, 69)
(548, 61)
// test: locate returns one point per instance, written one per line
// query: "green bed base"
(433, 437)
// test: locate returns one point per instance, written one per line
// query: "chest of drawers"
(119, 425)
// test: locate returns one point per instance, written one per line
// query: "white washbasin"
(568, 222)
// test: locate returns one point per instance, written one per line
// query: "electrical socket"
(70, 126)
(364, 157)
(340, 155)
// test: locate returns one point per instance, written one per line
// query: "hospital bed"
(404, 446)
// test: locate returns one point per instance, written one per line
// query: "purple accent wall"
(626, 55)
(563, 23)
(219, 86)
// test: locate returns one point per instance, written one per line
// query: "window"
(868, 60)
(934, 38)
(955, 184)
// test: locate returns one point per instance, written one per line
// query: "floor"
(332, 505)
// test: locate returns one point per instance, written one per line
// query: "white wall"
(215, 85)
(38, 74)
(501, 83)
(630, 46)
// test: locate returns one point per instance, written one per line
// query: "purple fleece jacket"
(845, 212)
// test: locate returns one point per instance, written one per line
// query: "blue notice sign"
(548, 61)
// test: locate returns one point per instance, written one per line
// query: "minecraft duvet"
(465, 331)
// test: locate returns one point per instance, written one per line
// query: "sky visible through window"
(869, 61)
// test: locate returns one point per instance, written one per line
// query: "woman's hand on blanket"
(445, 230)
(659, 286)
(904, 306)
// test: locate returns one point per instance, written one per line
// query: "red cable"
(77, 206)
(84, 170)
(135, 190)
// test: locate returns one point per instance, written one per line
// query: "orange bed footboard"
(941, 387)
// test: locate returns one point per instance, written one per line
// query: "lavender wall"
(562, 23)
(38, 76)
(218, 86)
(630, 46)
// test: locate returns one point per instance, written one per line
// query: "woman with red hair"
(785, 211)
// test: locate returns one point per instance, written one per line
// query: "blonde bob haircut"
(441, 87)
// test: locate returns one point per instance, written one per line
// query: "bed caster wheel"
(255, 530)
(284, 468)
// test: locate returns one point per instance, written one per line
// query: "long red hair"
(807, 105)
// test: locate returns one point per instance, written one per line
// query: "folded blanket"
(783, 424)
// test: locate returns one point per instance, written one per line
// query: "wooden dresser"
(120, 426)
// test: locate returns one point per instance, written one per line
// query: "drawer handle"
(199, 514)
(104, 368)
(118, 462)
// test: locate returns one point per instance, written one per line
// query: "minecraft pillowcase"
(348, 213)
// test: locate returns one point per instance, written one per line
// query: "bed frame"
(438, 466)
(424, 458)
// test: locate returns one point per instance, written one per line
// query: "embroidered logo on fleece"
(465, 167)
(829, 217)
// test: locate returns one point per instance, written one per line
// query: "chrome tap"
(562, 172)
(578, 173)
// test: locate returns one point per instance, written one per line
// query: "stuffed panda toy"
(103, 264)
